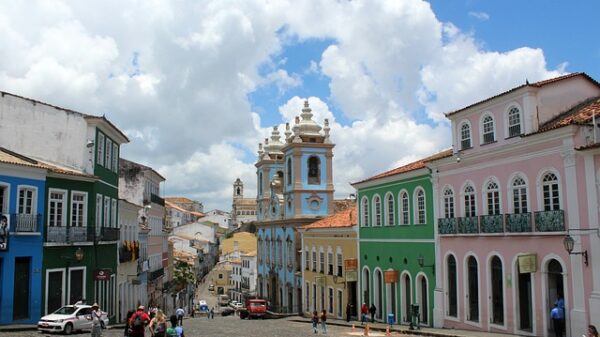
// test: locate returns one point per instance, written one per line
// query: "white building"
(222, 218)
(248, 285)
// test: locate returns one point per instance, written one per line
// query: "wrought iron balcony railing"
(550, 221)
(545, 222)
(447, 225)
(518, 222)
(492, 223)
(69, 234)
(468, 225)
(25, 223)
(110, 234)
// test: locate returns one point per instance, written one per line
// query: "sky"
(196, 85)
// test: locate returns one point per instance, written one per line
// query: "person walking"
(558, 319)
(324, 321)
(127, 323)
(175, 330)
(96, 318)
(364, 310)
(315, 321)
(158, 325)
(348, 311)
(138, 322)
(211, 314)
(180, 312)
(372, 311)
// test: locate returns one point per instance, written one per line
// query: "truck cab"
(254, 308)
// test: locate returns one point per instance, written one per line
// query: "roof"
(408, 167)
(527, 84)
(250, 253)
(14, 158)
(179, 200)
(124, 163)
(580, 114)
(105, 120)
(345, 218)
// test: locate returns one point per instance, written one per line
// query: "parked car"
(68, 319)
(203, 307)
(236, 305)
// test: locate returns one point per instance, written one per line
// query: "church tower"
(238, 189)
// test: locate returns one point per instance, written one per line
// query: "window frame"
(404, 210)
(365, 211)
(469, 210)
(34, 197)
(487, 127)
(64, 194)
(83, 203)
(390, 212)
(100, 154)
(449, 203)
(420, 206)
(377, 211)
(465, 126)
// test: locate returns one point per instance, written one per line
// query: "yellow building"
(330, 265)
(242, 242)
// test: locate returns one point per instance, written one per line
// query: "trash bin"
(391, 319)
(414, 319)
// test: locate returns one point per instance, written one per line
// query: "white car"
(236, 305)
(68, 319)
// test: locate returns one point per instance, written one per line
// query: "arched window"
(420, 206)
(497, 290)
(488, 130)
(469, 195)
(377, 210)
(550, 192)
(448, 203)
(493, 198)
(389, 205)
(452, 287)
(365, 212)
(289, 171)
(514, 122)
(314, 170)
(404, 218)
(519, 196)
(465, 136)
(472, 289)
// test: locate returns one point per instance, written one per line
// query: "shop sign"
(351, 264)
(390, 276)
(102, 274)
(527, 263)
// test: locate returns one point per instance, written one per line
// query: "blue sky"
(196, 85)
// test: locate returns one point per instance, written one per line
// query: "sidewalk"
(423, 331)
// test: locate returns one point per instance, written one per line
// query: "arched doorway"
(406, 297)
(423, 299)
(555, 290)
(366, 286)
(497, 291)
(473, 289)
(378, 289)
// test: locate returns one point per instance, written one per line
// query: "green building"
(397, 243)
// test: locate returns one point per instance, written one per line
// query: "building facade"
(243, 210)
(523, 178)
(330, 272)
(295, 187)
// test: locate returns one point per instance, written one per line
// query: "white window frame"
(449, 203)
(321, 260)
(541, 184)
(84, 281)
(330, 262)
(483, 126)
(390, 212)
(463, 199)
(84, 207)
(108, 159)
(113, 212)
(6, 197)
(365, 211)
(512, 188)
(462, 137)
(486, 194)
(64, 282)
(100, 154)
(339, 261)
(115, 156)
(106, 219)
(34, 193)
(63, 223)
(403, 210)
(507, 120)
(377, 211)
(420, 207)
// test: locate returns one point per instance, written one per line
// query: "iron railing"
(25, 223)
(492, 223)
(447, 225)
(518, 222)
(110, 234)
(69, 234)
(468, 225)
(545, 222)
(550, 221)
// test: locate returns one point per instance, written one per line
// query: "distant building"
(221, 218)
(177, 215)
(186, 203)
(243, 210)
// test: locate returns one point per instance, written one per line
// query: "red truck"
(255, 308)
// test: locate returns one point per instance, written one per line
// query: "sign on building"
(4, 229)
(527, 263)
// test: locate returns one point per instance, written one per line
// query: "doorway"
(22, 286)
(555, 291)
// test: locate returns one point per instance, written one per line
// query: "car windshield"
(257, 304)
(65, 311)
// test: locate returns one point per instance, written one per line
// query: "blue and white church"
(295, 188)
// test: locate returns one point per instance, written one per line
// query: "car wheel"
(68, 329)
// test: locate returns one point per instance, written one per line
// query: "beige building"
(330, 265)
(242, 242)
(243, 210)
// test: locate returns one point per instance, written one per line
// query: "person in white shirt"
(96, 320)
(180, 312)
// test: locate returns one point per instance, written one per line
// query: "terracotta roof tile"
(10, 157)
(580, 114)
(345, 218)
(409, 167)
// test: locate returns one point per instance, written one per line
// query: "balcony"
(110, 234)
(25, 223)
(157, 199)
(545, 222)
(69, 234)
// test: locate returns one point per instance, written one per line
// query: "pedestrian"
(174, 330)
(180, 312)
(348, 311)
(97, 322)
(372, 311)
(315, 321)
(592, 332)
(127, 324)
(324, 321)
(364, 310)
(558, 319)
(138, 322)
(211, 314)
(158, 325)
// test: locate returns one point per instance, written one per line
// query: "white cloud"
(184, 102)
(482, 16)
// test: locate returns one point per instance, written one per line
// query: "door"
(54, 290)
(76, 285)
(22, 286)
(83, 321)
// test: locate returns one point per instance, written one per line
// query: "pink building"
(525, 174)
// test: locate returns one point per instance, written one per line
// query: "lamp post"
(421, 262)
(569, 244)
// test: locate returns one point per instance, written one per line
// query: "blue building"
(295, 187)
(22, 194)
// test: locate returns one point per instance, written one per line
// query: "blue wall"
(22, 245)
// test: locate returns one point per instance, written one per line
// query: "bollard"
(387, 331)
(353, 329)
(366, 332)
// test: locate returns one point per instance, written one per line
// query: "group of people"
(364, 310)
(322, 318)
(139, 321)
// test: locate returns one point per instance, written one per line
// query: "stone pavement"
(404, 329)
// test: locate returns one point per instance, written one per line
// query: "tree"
(183, 274)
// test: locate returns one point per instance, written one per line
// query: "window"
(330, 262)
(307, 259)
(113, 210)
(340, 300)
(497, 291)
(469, 196)
(377, 210)
(314, 260)
(26, 200)
(448, 203)
(56, 208)
(108, 161)
(420, 198)
(4, 199)
(260, 183)
(106, 211)
(493, 198)
(290, 251)
(340, 262)
(550, 192)
(289, 171)
(389, 202)
(465, 136)
(115, 157)
(98, 210)
(78, 203)
(514, 122)
(100, 149)
(472, 289)
(314, 170)
(488, 130)
(519, 194)
(404, 208)
(365, 212)
(321, 261)
(330, 308)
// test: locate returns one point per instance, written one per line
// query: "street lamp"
(79, 254)
(421, 262)
(569, 244)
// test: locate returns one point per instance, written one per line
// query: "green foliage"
(183, 274)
